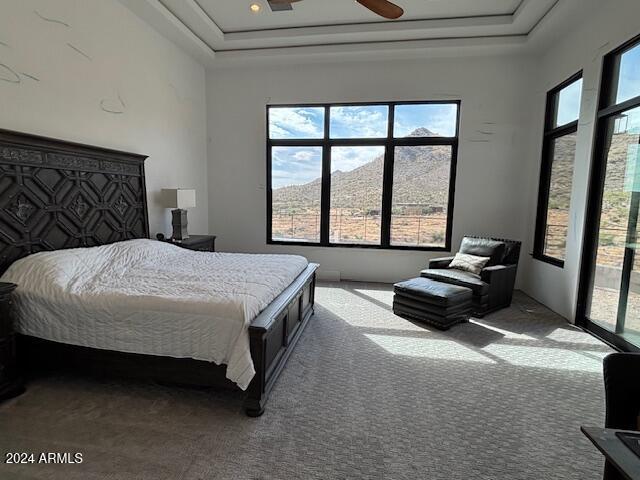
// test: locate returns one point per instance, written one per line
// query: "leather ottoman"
(439, 304)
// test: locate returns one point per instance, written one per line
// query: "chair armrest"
(442, 262)
(488, 273)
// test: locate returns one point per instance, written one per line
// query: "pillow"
(469, 263)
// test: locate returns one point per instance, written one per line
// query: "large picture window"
(556, 172)
(375, 175)
(609, 295)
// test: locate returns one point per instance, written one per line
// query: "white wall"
(606, 27)
(131, 69)
(489, 186)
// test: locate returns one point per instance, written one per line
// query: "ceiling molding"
(522, 7)
(375, 50)
(164, 21)
(202, 13)
(535, 27)
(191, 26)
(377, 27)
(380, 21)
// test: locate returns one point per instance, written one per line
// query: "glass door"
(609, 299)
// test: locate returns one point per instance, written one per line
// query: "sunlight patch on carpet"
(548, 358)
(428, 348)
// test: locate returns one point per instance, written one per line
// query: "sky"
(300, 165)
(363, 121)
(304, 122)
(628, 87)
(439, 119)
(359, 122)
(295, 165)
(346, 159)
(629, 84)
(569, 103)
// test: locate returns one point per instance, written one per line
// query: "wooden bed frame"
(56, 195)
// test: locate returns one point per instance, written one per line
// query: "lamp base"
(179, 224)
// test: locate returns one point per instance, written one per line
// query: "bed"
(95, 293)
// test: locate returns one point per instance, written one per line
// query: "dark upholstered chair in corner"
(493, 288)
(622, 394)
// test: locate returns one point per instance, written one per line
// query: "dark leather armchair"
(493, 288)
(622, 394)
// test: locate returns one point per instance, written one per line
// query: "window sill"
(550, 260)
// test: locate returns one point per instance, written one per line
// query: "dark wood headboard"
(56, 194)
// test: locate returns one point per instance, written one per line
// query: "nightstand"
(202, 243)
(10, 381)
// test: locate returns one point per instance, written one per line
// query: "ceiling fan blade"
(383, 8)
(281, 2)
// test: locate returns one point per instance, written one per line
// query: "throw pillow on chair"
(469, 263)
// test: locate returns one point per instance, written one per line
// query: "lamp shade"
(178, 198)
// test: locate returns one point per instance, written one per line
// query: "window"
(628, 84)
(356, 194)
(296, 198)
(609, 295)
(556, 172)
(370, 175)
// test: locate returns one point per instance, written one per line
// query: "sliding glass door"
(609, 300)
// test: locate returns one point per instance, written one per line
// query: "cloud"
(346, 159)
(368, 121)
(296, 122)
(295, 165)
(304, 155)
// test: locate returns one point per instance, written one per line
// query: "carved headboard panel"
(56, 194)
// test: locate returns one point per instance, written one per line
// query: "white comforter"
(144, 296)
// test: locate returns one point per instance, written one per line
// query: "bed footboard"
(274, 333)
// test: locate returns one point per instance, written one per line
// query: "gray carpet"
(365, 395)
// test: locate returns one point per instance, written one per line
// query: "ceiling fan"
(384, 8)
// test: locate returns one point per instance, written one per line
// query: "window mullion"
(387, 183)
(325, 202)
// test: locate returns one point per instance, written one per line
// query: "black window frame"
(390, 143)
(607, 108)
(551, 134)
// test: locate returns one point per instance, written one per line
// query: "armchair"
(622, 395)
(493, 288)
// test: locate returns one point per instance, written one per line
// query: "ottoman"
(439, 304)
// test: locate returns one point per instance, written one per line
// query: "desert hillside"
(421, 176)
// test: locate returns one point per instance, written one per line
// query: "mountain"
(564, 149)
(618, 153)
(421, 176)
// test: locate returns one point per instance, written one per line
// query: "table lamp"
(179, 199)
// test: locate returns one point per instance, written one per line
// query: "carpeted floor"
(365, 395)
